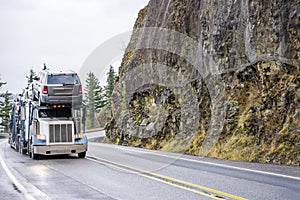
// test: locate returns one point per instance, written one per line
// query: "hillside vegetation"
(212, 78)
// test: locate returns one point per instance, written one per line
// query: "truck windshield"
(61, 112)
(68, 79)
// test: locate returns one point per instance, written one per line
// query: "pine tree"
(93, 93)
(1, 84)
(99, 98)
(5, 107)
(31, 76)
(45, 67)
(109, 88)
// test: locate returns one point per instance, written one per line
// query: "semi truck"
(47, 130)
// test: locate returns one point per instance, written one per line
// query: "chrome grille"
(60, 133)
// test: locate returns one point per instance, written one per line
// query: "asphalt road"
(116, 172)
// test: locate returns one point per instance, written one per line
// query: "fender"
(82, 140)
(36, 141)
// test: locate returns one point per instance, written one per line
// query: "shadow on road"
(3, 135)
(58, 157)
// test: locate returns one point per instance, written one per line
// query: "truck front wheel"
(82, 154)
(33, 155)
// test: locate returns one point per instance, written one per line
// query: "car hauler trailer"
(47, 130)
(13, 126)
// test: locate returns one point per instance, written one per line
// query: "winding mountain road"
(125, 173)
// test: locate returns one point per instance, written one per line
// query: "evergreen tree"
(31, 76)
(99, 98)
(45, 67)
(109, 88)
(5, 107)
(1, 84)
(93, 93)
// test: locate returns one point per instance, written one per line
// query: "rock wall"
(213, 78)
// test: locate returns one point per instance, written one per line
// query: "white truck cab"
(56, 130)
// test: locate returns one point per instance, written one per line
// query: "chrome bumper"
(59, 149)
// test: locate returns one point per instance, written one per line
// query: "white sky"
(60, 33)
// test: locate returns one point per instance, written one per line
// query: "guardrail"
(94, 130)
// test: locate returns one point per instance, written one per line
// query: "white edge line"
(14, 179)
(241, 168)
(214, 164)
(23, 191)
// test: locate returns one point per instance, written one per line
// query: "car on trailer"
(57, 87)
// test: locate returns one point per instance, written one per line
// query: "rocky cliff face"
(213, 78)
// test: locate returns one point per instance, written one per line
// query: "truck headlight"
(41, 137)
(78, 136)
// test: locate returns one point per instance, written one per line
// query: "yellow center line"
(199, 186)
(169, 180)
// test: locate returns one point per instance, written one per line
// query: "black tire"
(17, 145)
(20, 146)
(24, 151)
(30, 147)
(82, 154)
(30, 153)
(33, 155)
(10, 142)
